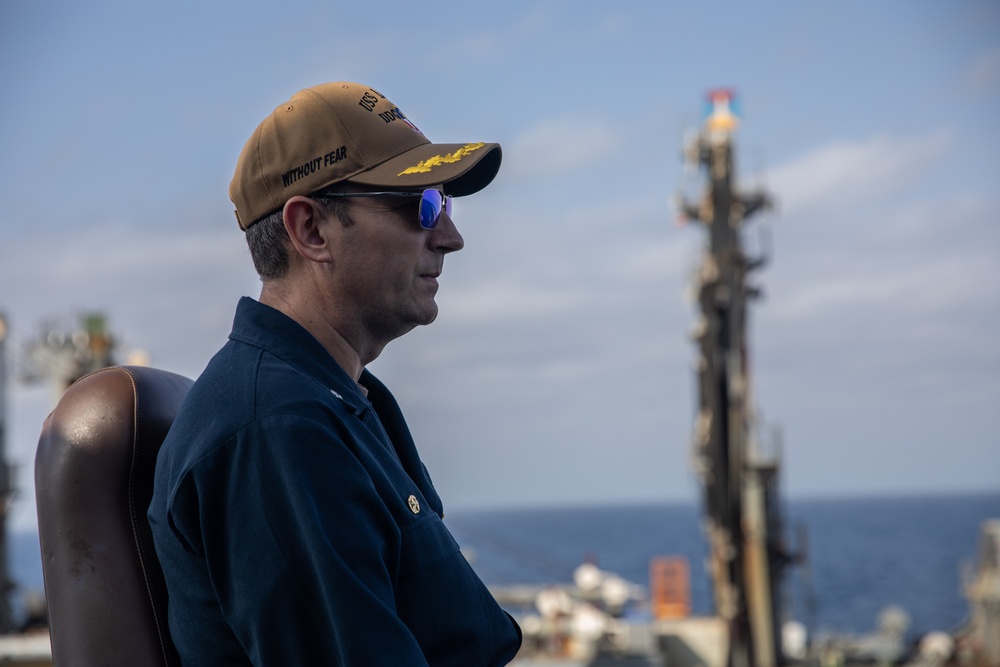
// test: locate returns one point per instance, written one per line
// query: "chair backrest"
(93, 482)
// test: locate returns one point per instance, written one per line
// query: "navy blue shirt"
(296, 524)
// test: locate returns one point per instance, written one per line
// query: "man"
(294, 520)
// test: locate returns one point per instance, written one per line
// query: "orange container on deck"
(670, 587)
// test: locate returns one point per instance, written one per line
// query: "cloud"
(892, 323)
(921, 259)
(926, 288)
(846, 173)
(503, 298)
(558, 146)
(169, 291)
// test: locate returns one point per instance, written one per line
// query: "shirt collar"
(269, 329)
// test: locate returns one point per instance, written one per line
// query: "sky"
(560, 369)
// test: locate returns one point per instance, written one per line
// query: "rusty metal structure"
(981, 638)
(740, 483)
(56, 355)
(62, 354)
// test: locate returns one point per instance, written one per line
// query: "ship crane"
(743, 521)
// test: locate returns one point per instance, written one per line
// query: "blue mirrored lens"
(430, 208)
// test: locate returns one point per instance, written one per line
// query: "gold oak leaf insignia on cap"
(425, 166)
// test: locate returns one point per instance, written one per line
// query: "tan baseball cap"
(343, 131)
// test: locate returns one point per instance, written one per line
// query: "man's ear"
(304, 219)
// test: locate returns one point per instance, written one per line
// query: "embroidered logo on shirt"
(414, 504)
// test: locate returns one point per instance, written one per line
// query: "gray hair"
(268, 239)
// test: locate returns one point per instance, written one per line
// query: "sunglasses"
(432, 203)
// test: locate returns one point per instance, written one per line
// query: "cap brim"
(463, 169)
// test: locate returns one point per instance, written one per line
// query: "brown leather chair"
(93, 481)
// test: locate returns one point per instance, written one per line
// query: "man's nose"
(445, 236)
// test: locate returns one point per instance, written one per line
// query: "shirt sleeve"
(301, 550)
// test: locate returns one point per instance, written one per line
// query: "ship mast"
(739, 484)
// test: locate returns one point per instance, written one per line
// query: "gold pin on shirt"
(414, 504)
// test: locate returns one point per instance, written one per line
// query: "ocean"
(863, 554)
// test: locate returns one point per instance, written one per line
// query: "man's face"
(386, 270)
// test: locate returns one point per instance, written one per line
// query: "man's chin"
(424, 316)
(430, 316)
